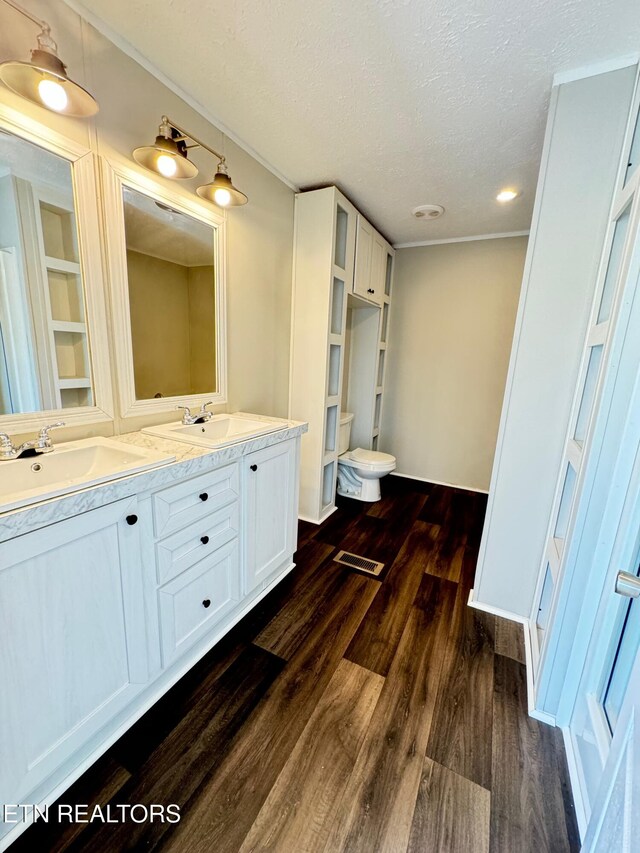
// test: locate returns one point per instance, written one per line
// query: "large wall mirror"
(46, 331)
(166, 265)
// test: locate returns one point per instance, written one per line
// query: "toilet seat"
(368, 460)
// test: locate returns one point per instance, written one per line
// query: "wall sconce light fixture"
(168, 156)
(44, 80)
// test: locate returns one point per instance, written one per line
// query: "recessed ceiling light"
(507, 195)
(428, 211)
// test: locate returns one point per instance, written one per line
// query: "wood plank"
(94, 788)
(376, 810)
(228, 805)
(527, 805)
(377, 638)
(196, 745)
(447, 556)
(306, 532)
(300, 808)
(452, 814)
(437, 506)
(510, 639)
(299, 614)
(461, 731)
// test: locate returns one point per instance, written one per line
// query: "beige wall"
(452, 321)
(259, 235)
(202, 328)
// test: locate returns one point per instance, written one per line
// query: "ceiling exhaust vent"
(362, 564)
(428, 211)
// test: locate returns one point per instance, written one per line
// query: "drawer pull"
(132, 519)
(204, 496)
(204, 540)
(206, 602)
(253, 467)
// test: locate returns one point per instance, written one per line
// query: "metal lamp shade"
(148, 155)
(24, 78)
(222, 182)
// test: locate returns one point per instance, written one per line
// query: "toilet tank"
(345, 432)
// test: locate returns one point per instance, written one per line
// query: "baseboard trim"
(534, 712)
(439, 483)
(575, 779)
(319, 520)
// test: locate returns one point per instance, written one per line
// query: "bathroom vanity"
(111, 593)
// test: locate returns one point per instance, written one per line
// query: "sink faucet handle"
(43, 443)
(43, 435)
(5, 441)
(203, 407)
(187, 417)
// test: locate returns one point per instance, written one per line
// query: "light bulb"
(167, 165)
(52, 95)
(506, 195)
(222, 197)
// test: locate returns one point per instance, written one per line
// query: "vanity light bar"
(168, 156)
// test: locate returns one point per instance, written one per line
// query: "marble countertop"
(189, 462)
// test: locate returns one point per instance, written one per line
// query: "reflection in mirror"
(44, 347)
(171, 277)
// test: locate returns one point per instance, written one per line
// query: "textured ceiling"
(399, 102)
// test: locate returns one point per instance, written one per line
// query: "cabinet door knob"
(132, 519)
(204, 496)
(206, 602)
(253, 467)
(204, 540)
(370, 290)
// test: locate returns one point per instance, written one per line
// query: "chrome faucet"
(41, 444)
(203, 415)
(43, 441)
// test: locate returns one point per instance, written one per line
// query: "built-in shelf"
(68, 326)
(60, 265)
(75, 382)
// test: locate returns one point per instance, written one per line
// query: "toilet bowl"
(359, 470)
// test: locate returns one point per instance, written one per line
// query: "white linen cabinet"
(323, 266)
(338, 256)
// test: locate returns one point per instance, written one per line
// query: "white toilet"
(359, 471)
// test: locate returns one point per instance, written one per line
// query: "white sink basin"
(219, 431)
(70, 467)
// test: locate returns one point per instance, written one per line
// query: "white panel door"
(364, 252)
(615, 819)
(73, 648)
(270, 503)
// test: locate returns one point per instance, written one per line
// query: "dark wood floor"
(347, 713)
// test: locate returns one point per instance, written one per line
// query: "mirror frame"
(85, 196)
(115, 176)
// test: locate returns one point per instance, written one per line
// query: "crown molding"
(132, 52)
(461, 239)
(592, 69)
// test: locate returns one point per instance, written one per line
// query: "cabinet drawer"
(192, 603)
(188, 546)
(180, 505)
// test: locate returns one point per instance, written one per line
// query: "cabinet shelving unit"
(341, 266)
(63, 300)
(368, 333)
(323, 276)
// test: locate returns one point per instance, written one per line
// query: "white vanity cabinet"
(198, 575)
(103, 612)
(270, 517)
(73, 639)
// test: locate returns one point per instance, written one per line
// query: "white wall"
(452, 318)
(259, 235)
(585, 131)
